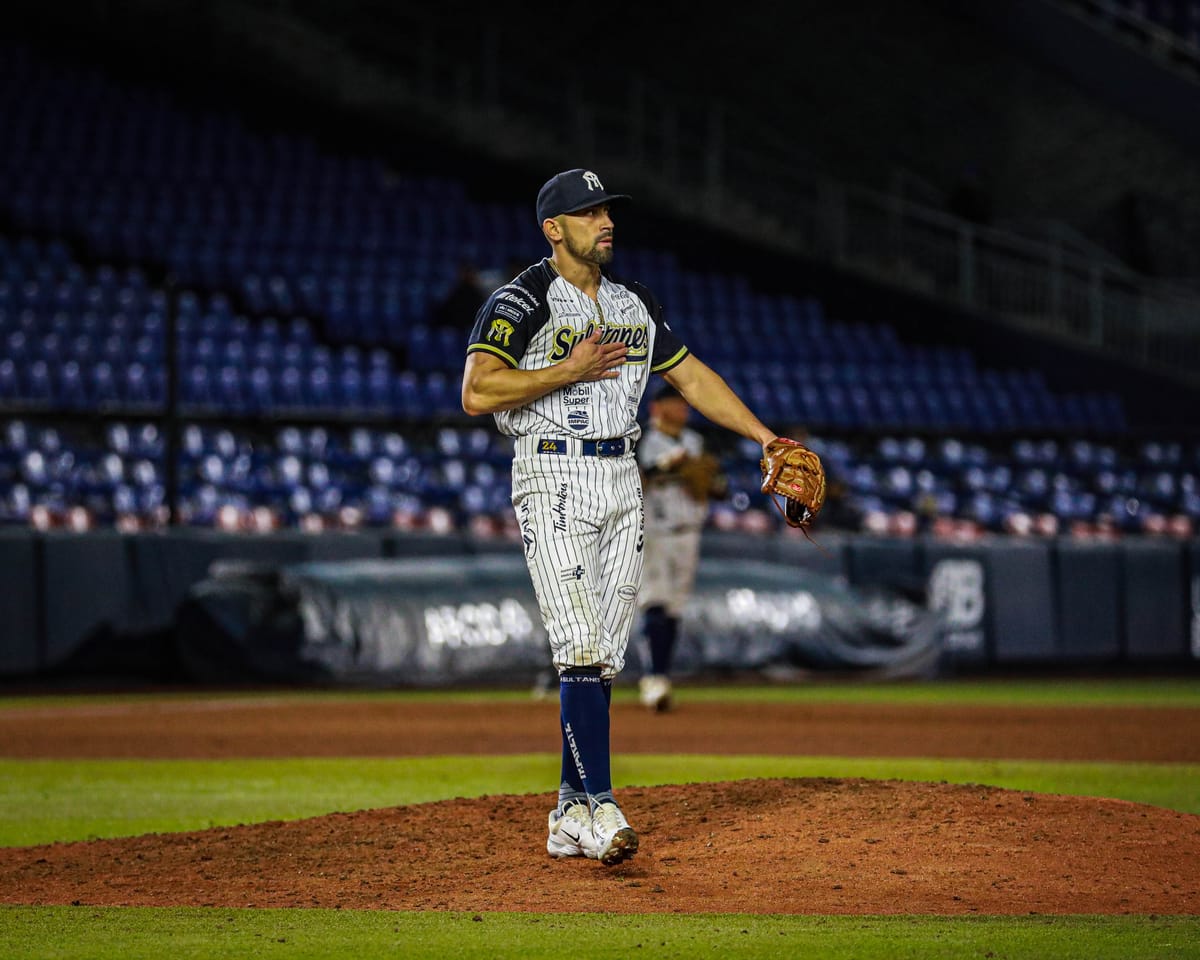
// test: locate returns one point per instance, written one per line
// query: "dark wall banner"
(1194, 600)
(826, 555)
(441, 621)
(885, 562)
(1087, 578)
(1023, 615)
(1155, 600)
(19, 602)
(425, 609)
(87, 589)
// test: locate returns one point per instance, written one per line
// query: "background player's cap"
(571, 191)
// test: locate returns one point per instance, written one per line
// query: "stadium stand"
(174, 282)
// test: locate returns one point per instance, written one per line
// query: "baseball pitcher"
(560, 356)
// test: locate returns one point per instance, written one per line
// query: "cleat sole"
(623, 846)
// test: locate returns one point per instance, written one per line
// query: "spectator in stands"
(457, 308)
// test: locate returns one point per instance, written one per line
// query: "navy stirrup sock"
(660, 629)
(584, 709)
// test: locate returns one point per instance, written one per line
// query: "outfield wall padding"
(1155, 600)
(1024, 619)
(1088, 585)
(86, 590)
(440, 621)
(20, 574)
(1193, 598)
(76, 601)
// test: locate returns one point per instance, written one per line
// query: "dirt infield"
(844, 846)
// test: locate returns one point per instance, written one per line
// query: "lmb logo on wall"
(956, 592)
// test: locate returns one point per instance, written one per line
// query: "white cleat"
(654, 690)
(571, 832)
(614, 837)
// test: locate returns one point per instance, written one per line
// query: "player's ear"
(552, 229)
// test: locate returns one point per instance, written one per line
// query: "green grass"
(1040, 691)
(46, 800)
(89, 933)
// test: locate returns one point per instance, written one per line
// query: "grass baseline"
(109, 933)
(42, 801)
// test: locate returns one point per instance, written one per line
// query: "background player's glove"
(702, 477)
(792, 471)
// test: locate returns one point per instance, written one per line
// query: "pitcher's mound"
(749, 846)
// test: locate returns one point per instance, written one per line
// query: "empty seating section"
(297, 283)
(344, 476)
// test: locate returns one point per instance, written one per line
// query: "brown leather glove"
(792, 471)
(702, 476)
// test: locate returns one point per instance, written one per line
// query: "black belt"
(617, 447)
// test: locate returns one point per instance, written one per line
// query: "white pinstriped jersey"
(537, 318)
(669, 506)
(581, 516)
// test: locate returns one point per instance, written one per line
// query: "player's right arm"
(491, 385)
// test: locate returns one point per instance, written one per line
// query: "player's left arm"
(706, 390)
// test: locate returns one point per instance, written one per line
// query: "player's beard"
(593, 254)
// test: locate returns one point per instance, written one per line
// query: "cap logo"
(593, 181)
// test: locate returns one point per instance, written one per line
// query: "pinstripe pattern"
(592, 411)
(582, 524)
(581, 517)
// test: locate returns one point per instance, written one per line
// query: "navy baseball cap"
(572, 191)
(664, 391)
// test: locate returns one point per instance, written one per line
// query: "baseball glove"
(793, 472)
(702, 476)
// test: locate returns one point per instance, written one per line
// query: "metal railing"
(1157, 40)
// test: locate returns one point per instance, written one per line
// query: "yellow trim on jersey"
(675, 361)
(490, 349)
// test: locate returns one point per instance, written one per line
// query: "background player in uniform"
(679, 478)
(561, 356)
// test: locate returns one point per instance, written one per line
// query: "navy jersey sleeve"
(504, 324)
(669, 350)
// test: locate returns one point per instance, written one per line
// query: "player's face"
(587, 235)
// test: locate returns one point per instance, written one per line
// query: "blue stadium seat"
(72, 390)
(16, 347)
(260, 390)
(318, 390)
(439, 393)
(409, 397)
(197, 388)
(39, 383)
(378, 391)
(229, 394)
(289, 390)
(350, 393)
